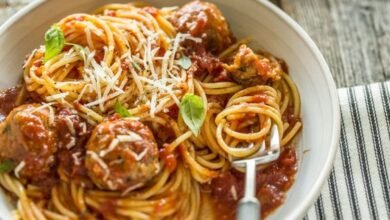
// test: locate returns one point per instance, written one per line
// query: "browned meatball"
(121, 155)
(204, 20)
(251, 69)
(29, 140)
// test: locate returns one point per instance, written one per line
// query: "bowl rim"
(314, 192)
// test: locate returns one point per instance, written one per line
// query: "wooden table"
(353, 35)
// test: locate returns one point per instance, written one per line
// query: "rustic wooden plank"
(352, 34)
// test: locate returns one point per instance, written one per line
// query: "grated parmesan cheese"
(83, 126)
(57, 97)
(114, 162)
(18, 168)
(233, 191)
(155, 76)
(159, 75)
(111, 185)
(138, 157)
(101, 76)
(131, 137)
(132, 188)
(43, 106)
(70, 125)
(110, 148)
(71, 143)
(76, 158)
(102, 164)
(51, 116)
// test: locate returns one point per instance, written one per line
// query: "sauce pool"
(272, 184)
(7, 101)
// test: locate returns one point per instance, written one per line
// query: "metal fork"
(249, 205)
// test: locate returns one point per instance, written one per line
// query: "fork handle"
(249, 206)
(248, 210)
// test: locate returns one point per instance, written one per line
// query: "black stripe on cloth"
(377, 141)
(357, 124)
(334, 195)
(319, 206)
(346, 159)
(386, 105)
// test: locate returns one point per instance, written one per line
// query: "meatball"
(204, 20)
(28, 140)
(121, 155)
(251, 69)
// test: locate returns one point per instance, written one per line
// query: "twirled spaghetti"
(135, 112)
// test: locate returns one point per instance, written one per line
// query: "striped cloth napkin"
(359, 184)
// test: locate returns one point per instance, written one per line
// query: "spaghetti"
(138, 113)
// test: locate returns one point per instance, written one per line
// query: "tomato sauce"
(151, 10)
(173, 111)
(272, 184)
(108, 209)
(7, 101)
(261, 98)
(169, 159)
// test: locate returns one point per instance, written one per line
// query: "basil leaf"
(6, 166)
(185, 62)
(192, 110)
(121, 110)
(54, 42)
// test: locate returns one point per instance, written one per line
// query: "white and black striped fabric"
(359, 184)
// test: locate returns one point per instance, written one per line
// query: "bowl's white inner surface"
(246, 18)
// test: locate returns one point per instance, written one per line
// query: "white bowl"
(270, 28)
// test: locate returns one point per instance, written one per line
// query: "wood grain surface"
(353, 35)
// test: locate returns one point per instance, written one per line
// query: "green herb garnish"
(192, 110)
(54, 42)
(6, 166)
(121, 110)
